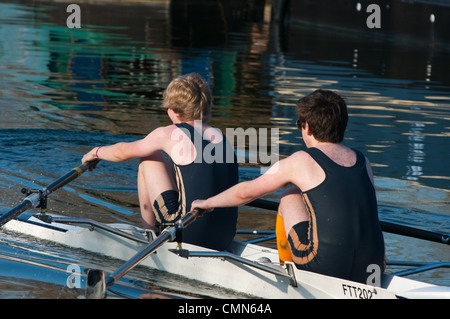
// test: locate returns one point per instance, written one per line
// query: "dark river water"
(65, 90)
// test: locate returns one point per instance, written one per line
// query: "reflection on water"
(63, 91)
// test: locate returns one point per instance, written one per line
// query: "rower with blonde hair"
(172, 172)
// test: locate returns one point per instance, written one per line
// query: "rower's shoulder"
(160, 136)
(298, 162)
(301, 157)
(163, 131)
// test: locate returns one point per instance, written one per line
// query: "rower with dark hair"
(329, 207)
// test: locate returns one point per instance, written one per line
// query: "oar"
(97, 282)
(404, 230)
(35, 198)
(386, 226)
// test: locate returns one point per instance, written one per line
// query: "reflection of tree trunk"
(224, 19)
(279, 10)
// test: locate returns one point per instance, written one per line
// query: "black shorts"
(214, 230)
(319, 256)
(167, 208)
(303, 249)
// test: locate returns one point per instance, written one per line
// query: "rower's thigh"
(156, 175)
(292, 208)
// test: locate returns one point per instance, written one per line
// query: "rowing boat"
(249, 269)
(245, 267)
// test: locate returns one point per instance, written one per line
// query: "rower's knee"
(155, 166)
(291, 200)
(155, 175)
(292, 208)
(157, 158)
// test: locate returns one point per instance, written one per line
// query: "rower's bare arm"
(125, 151)
(274, 179)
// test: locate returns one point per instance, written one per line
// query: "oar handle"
(191, 216)
(34, 199)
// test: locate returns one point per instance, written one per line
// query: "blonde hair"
(190, 97)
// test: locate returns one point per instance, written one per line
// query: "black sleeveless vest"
(345, 234)
(202, 179)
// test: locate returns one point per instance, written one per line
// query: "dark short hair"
(326, 114)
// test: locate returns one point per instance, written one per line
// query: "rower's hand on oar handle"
(91, 156)
(200, 211)
(93, 164)
(202, 205)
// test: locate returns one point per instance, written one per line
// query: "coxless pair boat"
(245, 267)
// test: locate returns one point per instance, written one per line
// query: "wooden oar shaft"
(386, 226)
(33, 199)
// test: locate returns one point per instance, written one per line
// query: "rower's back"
(204, 178)
(343, 235)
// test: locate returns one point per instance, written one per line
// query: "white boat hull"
(222, 271)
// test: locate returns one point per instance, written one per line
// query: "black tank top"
(202, 179)
(344, 210)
